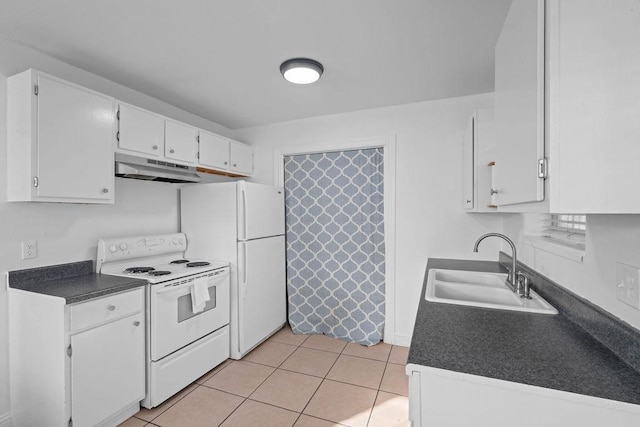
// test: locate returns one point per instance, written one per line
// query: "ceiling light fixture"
(301, 71)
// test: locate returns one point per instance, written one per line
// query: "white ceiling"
(220, 59)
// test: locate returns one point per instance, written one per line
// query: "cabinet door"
(519, 104)
(214, 151)
(107, 369)
(241, 158)
(180, 142)
(140, 131)
(468, 167)
(74, 143)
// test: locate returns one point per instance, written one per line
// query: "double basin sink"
(481, 289)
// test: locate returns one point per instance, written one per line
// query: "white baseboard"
(5, 420)
(402, 341)
(398, 340)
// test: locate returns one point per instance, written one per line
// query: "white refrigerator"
(242, 223)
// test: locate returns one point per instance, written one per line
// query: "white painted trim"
(6, 420)
(388, 144)
(402, 341)
(547, 245)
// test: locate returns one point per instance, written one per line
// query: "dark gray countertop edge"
(31, 276)
(615, 334)
(74, 282)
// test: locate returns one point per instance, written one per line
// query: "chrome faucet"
(512, 278)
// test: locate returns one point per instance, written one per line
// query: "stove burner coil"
(198, 264)
(179, 261)
(138, 270)
(159, 273)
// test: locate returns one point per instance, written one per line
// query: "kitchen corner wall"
(69, 232)
(610, 239)
(430, 221)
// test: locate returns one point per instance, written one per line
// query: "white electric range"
(187, 335)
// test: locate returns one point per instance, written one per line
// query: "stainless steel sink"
(481, 289)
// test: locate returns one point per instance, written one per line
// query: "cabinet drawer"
(86, 314)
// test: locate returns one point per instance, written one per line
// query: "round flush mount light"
(301, 71)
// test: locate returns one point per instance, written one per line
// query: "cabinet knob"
(111, 307)
(234, 165)
(468, 201)
(155, 147)
(136, 323)
(105, 190)
(226, 163)
(172, 151)
(494, 191)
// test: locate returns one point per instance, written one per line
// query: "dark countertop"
(542, 350)
(74, 282)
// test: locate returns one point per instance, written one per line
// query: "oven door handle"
(191, 283)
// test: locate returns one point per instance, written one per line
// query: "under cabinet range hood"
(128, 166)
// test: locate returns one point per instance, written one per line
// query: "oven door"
(173, 324)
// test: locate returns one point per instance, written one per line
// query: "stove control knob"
(175, 241)
(113, 248)
(181, 241)
(123, 246)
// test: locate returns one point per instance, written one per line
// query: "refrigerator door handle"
(243, 269)
(245, 212)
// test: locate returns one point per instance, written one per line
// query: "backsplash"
(620, 337)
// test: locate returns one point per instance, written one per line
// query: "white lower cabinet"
(440, 397)
(81, 364)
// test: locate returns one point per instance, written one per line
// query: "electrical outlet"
(628, 284)
(29, 249)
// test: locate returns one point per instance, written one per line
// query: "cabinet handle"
(172, 151)
(111, 307)
(118, 136)
(468, 201)
(105, 190)
(155, 147)
(136, 323)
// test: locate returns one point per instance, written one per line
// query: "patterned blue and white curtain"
(335, 244)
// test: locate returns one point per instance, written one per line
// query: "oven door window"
(185, 309)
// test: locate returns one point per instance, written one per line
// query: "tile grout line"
(320, 385)
(254, 390)
(172, 405)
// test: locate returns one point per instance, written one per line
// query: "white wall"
(610, 239)
(69, 232)
(430, 221)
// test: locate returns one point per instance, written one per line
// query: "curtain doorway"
(335, 244)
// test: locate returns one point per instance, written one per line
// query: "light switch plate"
(628, 284)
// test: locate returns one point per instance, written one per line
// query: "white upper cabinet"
(594, 106)
(519, 104)
(241, 158)
(223, 156)
(591, 109)
(214, 151)
(479, 152)
(59, 141)
(180, 142)
(140, 131)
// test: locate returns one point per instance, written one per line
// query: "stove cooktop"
(163, 271)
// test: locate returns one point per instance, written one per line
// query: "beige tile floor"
(294, 380)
